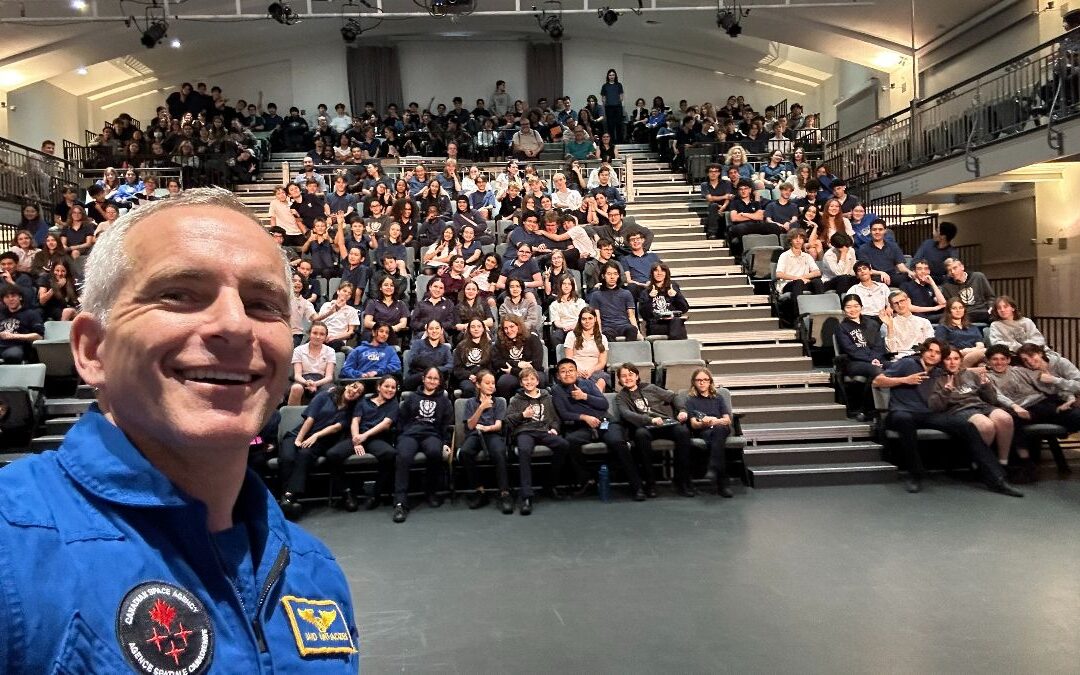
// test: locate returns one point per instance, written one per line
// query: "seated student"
(618, 231)
(838, 270)
(58, 298)
(971, 287)
(524, 268)
(323, 421)
(970, 396)
(718, 193)
(1038, 359)
(910, 380)
(839, 193)
(663, 305)
(22, 326)
(564, 310)
(955, 329)
(472, 355)
(937, 250)
(371, 433)
(533, 421)
(393, 245)
(319, 249)
(873, 294)
(310, 282)
(858, 338)
(562, 197)
(860, 222)
(388, 269)
(796, 270)
(482, 200)
(516, 348)
(424, 423)
(748, 217)
(385, 307)
(903, 330)
(465, 215)
(618, 316)
(357, 272)
(428, 351)
(884, 256)
(484, 415)
(783, 212)
(10, 274)
(313, 365)
(650, 411)
(588, 348)
(373, 358)
(302, 311)
(637, 264)
(341, 318)
(583, 412)
(436, 257)
(710, 420)
(927, 299)
(1010, 328)
(435, 306)
(591, 274)
(522, 305)
(604, 181)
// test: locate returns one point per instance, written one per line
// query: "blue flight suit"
(107, 567)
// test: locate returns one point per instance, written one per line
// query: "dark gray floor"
(845, 579)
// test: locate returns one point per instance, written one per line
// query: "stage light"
(283, 13)
(553, 27)
(729, 23)
(154, 33)
(608, 15)
(350, 31)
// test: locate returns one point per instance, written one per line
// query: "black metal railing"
(1010, 98)
(887, 207)
(970, 255)
(90, 137)
(912, 232)
(1020, 289)
(29, 176)
(1062, 334)
(781, 108)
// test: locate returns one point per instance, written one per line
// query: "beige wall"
(1004, 232)
(1057, 286)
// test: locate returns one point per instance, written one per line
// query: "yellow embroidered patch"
(319, 626)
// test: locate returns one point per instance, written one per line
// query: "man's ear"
(87, 337)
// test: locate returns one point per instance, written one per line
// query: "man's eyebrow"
(182, 274)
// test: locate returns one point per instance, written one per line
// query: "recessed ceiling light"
(81, 70)
(176, 43)
(78, 5)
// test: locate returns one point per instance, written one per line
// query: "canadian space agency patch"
(164, 630)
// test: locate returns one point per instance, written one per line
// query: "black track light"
(283, 13)
(608, 15)
(553, 27)
(154, 33)
(729, 22)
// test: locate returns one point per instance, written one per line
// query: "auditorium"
(478, 336)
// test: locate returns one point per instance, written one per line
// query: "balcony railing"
(1034, 90)
(29, 176)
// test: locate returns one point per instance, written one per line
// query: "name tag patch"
(164, 630)
(319, 626)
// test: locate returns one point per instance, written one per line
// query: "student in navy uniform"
(423, 426)
(166, 513)
(484, 415)
(321, 424)
(532, 420)
(430, 350)
(618, 313)
(19, 325)
(710, 420)
(371, 432)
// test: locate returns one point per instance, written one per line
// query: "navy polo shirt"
(512, 270)
(781, 213)
(739, 206)
(907, 397)
(323, 413)
(884, 259)
(921, 295)
(639, 265)
(613, 305)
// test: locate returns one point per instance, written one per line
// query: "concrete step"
(699, 315)
(812, 453)
(43, 443)
(695, 254)
(85, 391)
(687, 245)
(773, 396)
(773, 432)
(666, 204)
(57, 407)
(732, 301)
(707, 270)
(776, 335)
(58, 426)
(784, 350)
(742, 289)
(752, 366)
(791, 411)
(792, 380)
(649, 189)
(703, 259)
(721, 326)
(716, 282)
(799, 475)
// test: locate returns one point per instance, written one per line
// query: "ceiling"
(791, 41)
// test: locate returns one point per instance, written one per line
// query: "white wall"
(274, 79)
(448, 68)
(984, 54)
(42, 111)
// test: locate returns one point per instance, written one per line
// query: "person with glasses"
(903, 330)
(710, 420)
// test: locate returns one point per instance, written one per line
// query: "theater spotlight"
(154, 33)
(283, 13)
(729, 22)
(552, 25)
(350, 31)
(608, 15)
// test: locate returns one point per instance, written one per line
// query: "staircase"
(796, 432)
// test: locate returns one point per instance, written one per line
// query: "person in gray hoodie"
(533, 421)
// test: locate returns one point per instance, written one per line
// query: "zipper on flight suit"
(280, 563)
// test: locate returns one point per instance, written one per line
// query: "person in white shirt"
(526, 143)
(874, 294)
(838, 268)
(340, 317)
(341, 120)
(563, 312)
(563, 197)
(313, 365)
(904, 331)
(797, 271)
(302, 311)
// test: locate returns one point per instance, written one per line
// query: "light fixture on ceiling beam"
(283, 13)
(729, 16)
(607, 15)
(550, 23)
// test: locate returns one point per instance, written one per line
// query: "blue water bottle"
(605, 484)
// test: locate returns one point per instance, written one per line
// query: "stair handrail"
(971, 160)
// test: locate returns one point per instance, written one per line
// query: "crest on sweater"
(473, 356)
(516, 353)
(427, 410)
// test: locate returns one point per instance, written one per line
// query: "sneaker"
(291, 508)
(478, 500)
(400, 513)
(506, 504)
(373, 503)
(526, 506)
(349, 503)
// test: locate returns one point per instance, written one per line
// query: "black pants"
(906, 425)
(294, 462)
(378, 448)
(865, 399)
(507, 384)
(614, 437)
(715, 223)
(496, 451)
(737, 230)
(1045, 412)
(627, 331)
(841, 283)
(797, 288)
(643, 439)
(613, 117)
(526, 442)
(407, 447)
(715, 438)
(674, 328)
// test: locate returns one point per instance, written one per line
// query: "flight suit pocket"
(82, 651)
